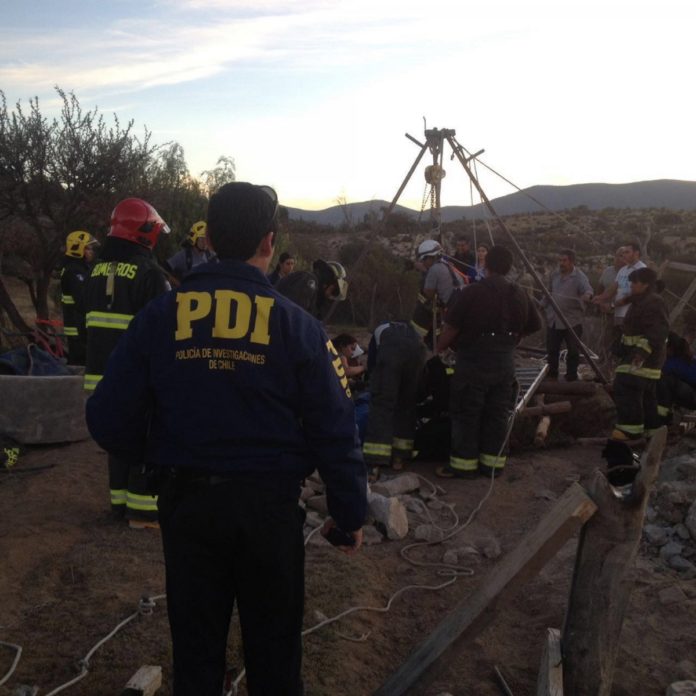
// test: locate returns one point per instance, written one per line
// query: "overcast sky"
(314, 97)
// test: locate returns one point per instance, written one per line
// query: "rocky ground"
(70, 574)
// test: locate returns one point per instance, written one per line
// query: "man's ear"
(266, 245)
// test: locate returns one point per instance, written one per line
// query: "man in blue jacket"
(235, 394)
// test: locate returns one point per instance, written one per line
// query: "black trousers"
(636, 405)
(230, 541)
(554, 340)
(394, 384)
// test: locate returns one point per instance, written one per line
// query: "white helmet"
(428, 248)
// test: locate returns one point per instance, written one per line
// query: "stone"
(655, 535)
(650, 513)
(390, 514)
(672, 548)
(318, 540)
(451, 557)
(404, 483)
(435, 504)
(371, 535)
(318, 503)
(414, 505)
(680, 564)
(306, 493)
(671, 595)
(428, 532)
(314, 519)
(690, 520)
(45, 410)
(681, 688)
(681, 468)
(681, 531)
(490, 548)
(672, 500)
(545, 494)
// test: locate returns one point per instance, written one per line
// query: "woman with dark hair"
(285, 266)
(642, 354)
(479, 270)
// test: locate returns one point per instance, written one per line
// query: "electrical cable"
(15, 662)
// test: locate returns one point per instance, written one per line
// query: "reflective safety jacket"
(122, 281)
(645, 330)
(227, 377)
(73, 281)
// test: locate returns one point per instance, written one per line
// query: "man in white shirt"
(615, 296)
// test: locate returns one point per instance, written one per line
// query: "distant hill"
(663, 193)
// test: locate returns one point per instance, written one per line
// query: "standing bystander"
(246, 397)
(570, 289)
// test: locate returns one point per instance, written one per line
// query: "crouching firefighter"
(396, 357)
(485, 323)
(124, 279)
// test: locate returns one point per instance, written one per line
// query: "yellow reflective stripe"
(449, 371)
(118, 496)
(492, 461)
(663, 410)
(461, 464)
(402, 444)
(630, 429)
(419, 329)
(70, 331)
(638, 342)
(147, 503)
(108, 320)
(646, 372)
(378, 449)
(91, 381)
(67, 299)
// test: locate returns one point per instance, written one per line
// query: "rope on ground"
(145, 607)
(15, 662)
(235, 685)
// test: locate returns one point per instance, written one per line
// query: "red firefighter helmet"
(137, 221)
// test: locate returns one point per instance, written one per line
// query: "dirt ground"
(69, 575)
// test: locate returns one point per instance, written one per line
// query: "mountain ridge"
(673, 194)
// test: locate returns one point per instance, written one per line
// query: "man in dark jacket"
(315, 290)
(237, 394)
(485, 323)
(79, 255)
(643, 352)
(124, 279)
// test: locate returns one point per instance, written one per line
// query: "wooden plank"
(550, 679)
(679, 308)
(145, 682)
(548, 409)
(569, 513)
(679, 266)
(580, 388)
(603, 581)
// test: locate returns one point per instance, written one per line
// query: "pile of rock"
(403, 505)
(670, 529)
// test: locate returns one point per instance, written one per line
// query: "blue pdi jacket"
(226, 375)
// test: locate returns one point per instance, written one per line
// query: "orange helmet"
(137, 221)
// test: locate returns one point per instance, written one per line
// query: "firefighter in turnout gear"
(642, 354)
(195, 251)
(247, 397)
(79, 255)
(124, 279)
(397, 356)
(485, 323)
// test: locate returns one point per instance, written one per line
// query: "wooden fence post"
(601, 583)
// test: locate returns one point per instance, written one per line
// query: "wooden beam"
(549, 386)
(679, 266)
(550, 679)
(602, 581)
(551, 409)
(569, 513)
(145, 682)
